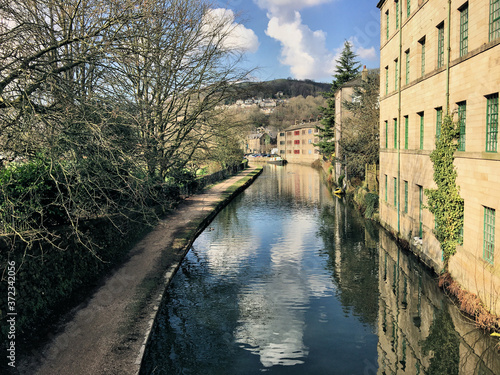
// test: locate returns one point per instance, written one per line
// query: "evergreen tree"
(347, 69)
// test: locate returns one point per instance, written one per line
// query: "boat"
(338, 191)
(277, 161)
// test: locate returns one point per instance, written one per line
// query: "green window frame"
(406, 197)
(407, 57)
(440, 56)
(494, 19)
(386, 80)
(422, 56)
(406, 132)
(387, 134)
(464, 29)
(387, 25)
(396, 73)
(395, 133)
(421, 115)
(386, 188)
(492, 123)
(489, 235)
(408, 8)
(462, 115)
(439, 121)
(395, 191)
(397, 14)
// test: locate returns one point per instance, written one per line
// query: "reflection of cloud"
(225, 257)
(239, 37)
(272, 310)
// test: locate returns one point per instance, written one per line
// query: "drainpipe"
(448, 61)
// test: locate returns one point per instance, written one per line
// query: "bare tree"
(101, 101)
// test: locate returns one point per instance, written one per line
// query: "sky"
(302, 39)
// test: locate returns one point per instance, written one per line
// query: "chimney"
(364, 73)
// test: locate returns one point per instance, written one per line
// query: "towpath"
(106, 334)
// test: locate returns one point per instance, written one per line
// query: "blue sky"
(302, 38)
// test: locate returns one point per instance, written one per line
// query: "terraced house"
(296, 143)
(440, 57)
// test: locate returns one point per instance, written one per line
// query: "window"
(310, 152)
(420, 210)
(439, 121)
(489, 235)
(396, 74)
(297, 142)
(492, 123)
(386, 80)
(309, 141)
(462, 111)
(406, 132)
(494, 19)
(386, 134)
(395, 191)
(296, 132)
(397, 14)
(422, 55)
(421, 115)
(464, 29)
(440, 57)
(309, 131)
(282, 142)
(395, 133)
(408, 8)
(296, 151)
(387, 25)
(386, 188)
(282, 134)
(407, 56)
(303, 132)
(406, 197)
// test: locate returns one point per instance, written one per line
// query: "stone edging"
(183, 245)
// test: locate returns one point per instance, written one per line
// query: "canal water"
(289, 279)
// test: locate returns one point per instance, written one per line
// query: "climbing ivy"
(445, 201)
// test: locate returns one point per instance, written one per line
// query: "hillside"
(288, 87)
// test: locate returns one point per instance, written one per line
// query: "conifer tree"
(347, 69)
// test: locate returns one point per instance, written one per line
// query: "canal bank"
(106, 333)
(365, 199)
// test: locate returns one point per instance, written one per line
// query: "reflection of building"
(296, 144)
(440, 57)
(416, 321)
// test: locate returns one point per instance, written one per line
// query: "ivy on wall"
(445, 201)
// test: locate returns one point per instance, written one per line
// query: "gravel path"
(106, 333)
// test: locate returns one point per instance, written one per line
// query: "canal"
(290, 280)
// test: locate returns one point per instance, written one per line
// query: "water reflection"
(420, 331)
(289, 280)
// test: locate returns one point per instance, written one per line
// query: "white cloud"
(239, 37)
(363, 53)
(302, 49)
(278, 6)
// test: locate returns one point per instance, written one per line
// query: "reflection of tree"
(354, 267)
(444, 342)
